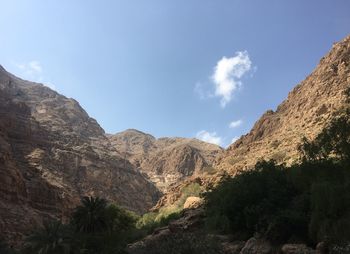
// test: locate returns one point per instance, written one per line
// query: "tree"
(53, 238)
(91, 216)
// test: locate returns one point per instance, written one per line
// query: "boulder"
(296, 249)
(256, 246)
(193, 202)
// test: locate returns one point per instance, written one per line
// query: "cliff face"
(165, 161)
(277, 134)
(308, 108)
(51, 154)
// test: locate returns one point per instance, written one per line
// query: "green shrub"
(184, 243)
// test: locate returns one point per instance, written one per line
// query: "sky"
(186, 68)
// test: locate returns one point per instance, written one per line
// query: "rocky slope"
(277, 134)
(165, 161)
(308, 108)
(51, 154)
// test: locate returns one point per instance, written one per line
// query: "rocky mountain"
(308, 108)
(51, 154)
(165, 161)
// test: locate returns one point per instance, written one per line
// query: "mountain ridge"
(307, 109)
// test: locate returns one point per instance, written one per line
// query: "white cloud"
(227, 75)
(235, 124)
(35, 66)
(234, 139)
(33, 71)
(32, 68)
(210, 137)
(202, 91)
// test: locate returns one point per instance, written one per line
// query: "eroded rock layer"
(308, 108)
(51, 154)
(165, 161)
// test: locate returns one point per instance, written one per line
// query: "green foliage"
(185, 243)
(333, 141)
(92, 216)
(330, 206)
(149, 221)
(308, 202)
(4, 249)
(247, 203)
(96, 228)
(53, 238)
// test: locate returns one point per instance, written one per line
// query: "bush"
(184, 243)
(308, 202)
(149, 221)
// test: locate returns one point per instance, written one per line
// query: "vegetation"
(308, 201)
(184, 243)
(149, 221)
(96, 227)
(4, 249)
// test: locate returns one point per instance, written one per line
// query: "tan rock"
(232, 247)
(256, 246)
(165, 161)
(308, 108)
(297, 249)
(51, 154)
(193, 202)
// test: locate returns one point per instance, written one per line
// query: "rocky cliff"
(308, 108)
(165, 161)
(51, 154)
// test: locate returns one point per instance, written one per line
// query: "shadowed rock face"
(51, 154)
(165, 161)
(308, 108)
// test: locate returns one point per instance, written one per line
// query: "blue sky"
(185, 68)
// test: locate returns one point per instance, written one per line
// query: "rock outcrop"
(306, 111)
(51, 154)
(165, 161)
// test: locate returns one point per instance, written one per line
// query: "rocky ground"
(186, 233)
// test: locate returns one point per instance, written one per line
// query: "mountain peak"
(305, 112)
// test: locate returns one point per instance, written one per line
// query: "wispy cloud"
(228, 73)
(202, 91)
(32, 68)
(235, 124)
(210, 137)
(234, 139)
(33, 71)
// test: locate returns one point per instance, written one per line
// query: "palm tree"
(91, 216)
(53, 238)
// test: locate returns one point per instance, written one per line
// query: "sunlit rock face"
(51, 154)
(309, 107)
(165, 161)
(305, 112)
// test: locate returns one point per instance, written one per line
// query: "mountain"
(51, 154)
(165, 161)
(305, 112)
(309, 107)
